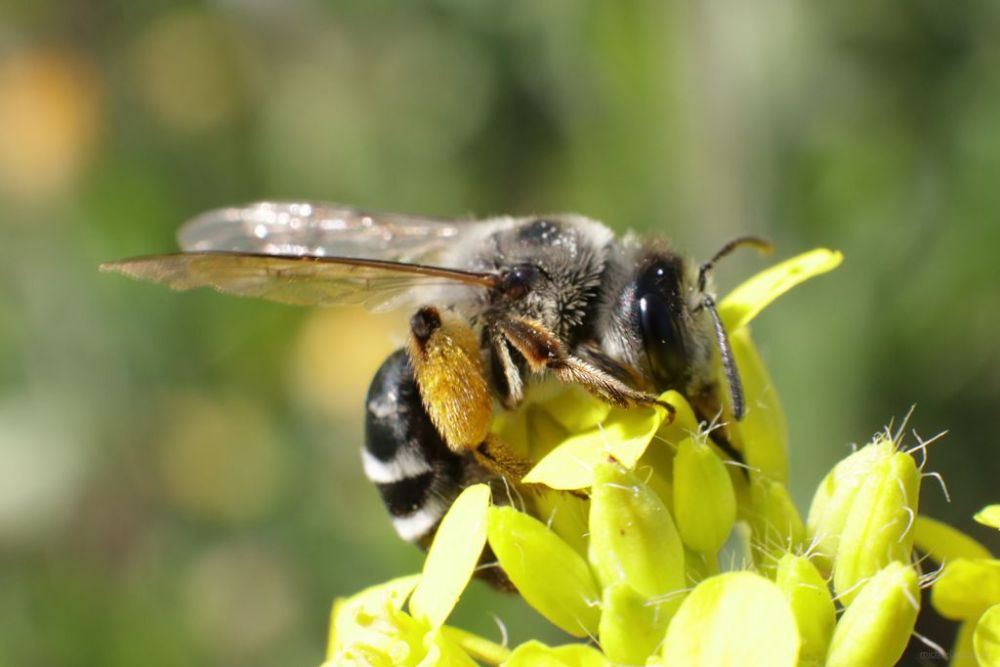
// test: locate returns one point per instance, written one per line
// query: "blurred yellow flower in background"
(51, 110)
(337, 352)
(219, 459)
(186, 64)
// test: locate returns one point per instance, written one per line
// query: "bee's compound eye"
(519, 279)
(660, 319)
(662, 339)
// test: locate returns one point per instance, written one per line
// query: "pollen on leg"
(449, 370)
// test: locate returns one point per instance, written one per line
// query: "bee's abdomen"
(416, 474)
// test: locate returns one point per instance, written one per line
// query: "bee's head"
(676, 315)
(666, 320)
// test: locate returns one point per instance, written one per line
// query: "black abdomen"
(416, 474)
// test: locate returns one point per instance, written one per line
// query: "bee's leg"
(448, 368)
(708, 410)
(506, 374)
(592, 353)
(499, 458)
(543, 351)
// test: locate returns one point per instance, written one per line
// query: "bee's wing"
(321, 230)
(300, 280)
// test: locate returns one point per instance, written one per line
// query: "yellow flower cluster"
(632, 533)
(967, 589)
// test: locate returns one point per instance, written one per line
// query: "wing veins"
(296, 279)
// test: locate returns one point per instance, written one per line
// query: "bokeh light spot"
(187, 68)
(50, 112)
(336, 356)
(240, 599)
(220, 459)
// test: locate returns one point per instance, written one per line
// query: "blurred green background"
(179, 477)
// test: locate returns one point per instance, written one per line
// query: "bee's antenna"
(763, 245)
(708, 302)
(726, 355)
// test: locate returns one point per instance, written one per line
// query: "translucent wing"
(321, 230)
(300, 280)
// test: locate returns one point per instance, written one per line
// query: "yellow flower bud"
(566, 514)
(943, 543)
(989, 516)
(453, 556)
(986, 639)
(834, 497)
(699, 567)
(963, 651)
(632, 537)
(879, 526)
(876, 627)
(809, 596)
(775, 524)
(737, 618)
(623, 435)
(550, 575)
(632, 626)
(537, 654)
(762, 435)
(967, 587)
(704, 500)
(575, 409)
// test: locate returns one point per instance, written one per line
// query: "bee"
(498, 305)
